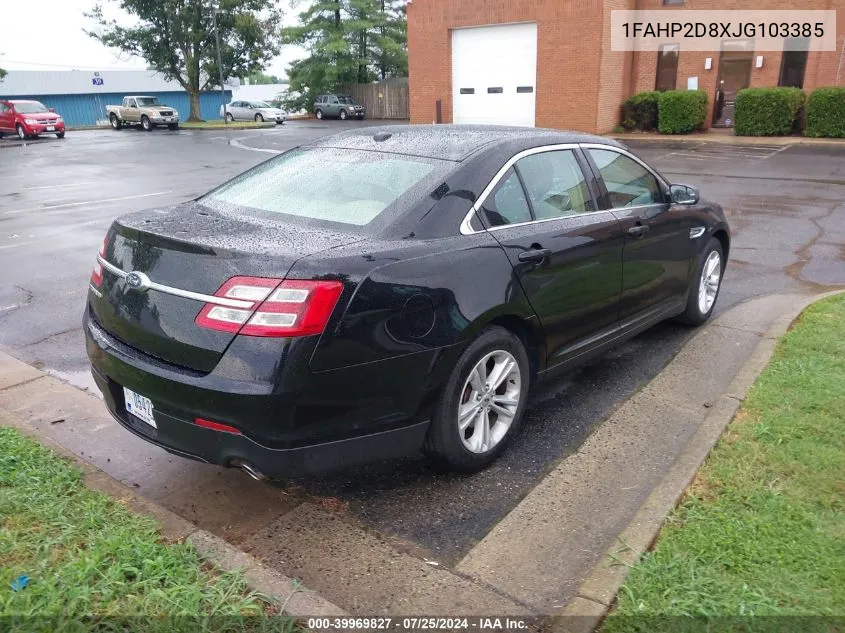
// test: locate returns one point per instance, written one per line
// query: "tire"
(259, 118)
(146, 123)
(60, 134)
(343, 115)
(172, 126)
(22, 135)
(319, 115)
(495, 348)
(701, 301)
(115, 122)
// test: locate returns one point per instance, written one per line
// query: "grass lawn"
(215, 125)
(762, 529)
(87, 556)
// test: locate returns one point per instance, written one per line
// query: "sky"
(58, 42)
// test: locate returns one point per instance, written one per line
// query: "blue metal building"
(81, 97)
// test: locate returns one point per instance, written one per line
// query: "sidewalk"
(724, 135)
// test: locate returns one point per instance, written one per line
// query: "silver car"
(258, 111)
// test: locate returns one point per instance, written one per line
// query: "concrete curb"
(294, 599)
(597, 593)
(726, 139)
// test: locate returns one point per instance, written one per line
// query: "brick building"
(549, 63)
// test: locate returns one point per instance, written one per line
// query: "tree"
(176, 38)
(348, 41)
(2, 73)
(259, 78)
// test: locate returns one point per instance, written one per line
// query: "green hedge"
(639, 112)
(681, 111)
(767, 111)
(826, 113)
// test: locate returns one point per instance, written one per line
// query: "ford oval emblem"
(137, 281)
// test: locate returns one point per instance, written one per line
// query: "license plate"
(51, 128)
(139, 406)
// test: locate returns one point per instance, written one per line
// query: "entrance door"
(734, 75)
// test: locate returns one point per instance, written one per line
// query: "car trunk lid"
(194, 249)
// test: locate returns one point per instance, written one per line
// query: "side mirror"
(52, 109)
(683, 194)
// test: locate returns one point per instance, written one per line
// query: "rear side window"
(507, 204)
(628, 183)
(555, 184)
(345, 186)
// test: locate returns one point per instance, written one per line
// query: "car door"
(7, 117)
(131, 112)
(333, 108)
(657, 253)
(566, 254)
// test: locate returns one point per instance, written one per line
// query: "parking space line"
(53, 234)
(704, 156)
(68, 205)
(236, 143)
(785, 147)
(70, 184)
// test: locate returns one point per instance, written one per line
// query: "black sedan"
(387, 290)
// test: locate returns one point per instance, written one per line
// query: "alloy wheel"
(708, 287)
(489, 401)
(21, 132)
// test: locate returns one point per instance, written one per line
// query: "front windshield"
(328, 184)
(259, 104)
(146, 102)
(346, 100)
(30, 107)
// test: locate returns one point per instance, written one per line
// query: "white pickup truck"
(147, 112)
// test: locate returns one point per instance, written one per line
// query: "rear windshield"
(342, 186)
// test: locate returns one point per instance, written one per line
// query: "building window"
(794, 62)
(673, 1)
(667, 67)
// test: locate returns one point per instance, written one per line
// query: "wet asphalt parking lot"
(786, 205)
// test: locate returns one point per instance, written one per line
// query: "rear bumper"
(320, 421)
(186, 439)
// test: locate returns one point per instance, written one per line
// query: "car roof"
(22, 101)
(451, 142)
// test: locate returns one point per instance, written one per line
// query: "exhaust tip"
(249, 469)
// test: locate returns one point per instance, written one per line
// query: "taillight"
(97, 271)
(292, 307)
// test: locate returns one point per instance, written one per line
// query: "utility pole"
(219, 61)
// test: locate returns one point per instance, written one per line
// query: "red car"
(29, 119)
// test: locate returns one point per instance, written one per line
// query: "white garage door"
(494, 74)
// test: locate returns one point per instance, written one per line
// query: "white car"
(258, 111)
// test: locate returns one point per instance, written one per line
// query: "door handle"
(639, 230)
(534, 255)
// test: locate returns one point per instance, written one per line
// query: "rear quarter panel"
(407, 297)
